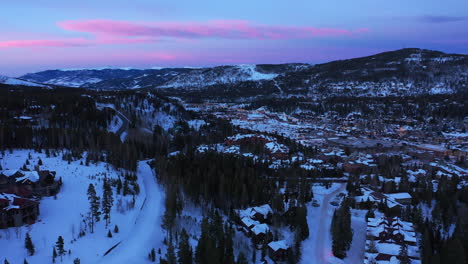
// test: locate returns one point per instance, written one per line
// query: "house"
(16, 211)
(402, 198)
(278, 250)
(385, 237)
(260, 233)
(29, 183)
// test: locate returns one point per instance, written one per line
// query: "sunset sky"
(48, 34)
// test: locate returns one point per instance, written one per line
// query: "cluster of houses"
(387, 238)
(19, 193)
(256, 146)
(254, 222)
(394, 202)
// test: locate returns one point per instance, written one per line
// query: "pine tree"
(54, 254)
(170, 254)
(109, 234)
(60, 247)
(403, 254)
(152, 255)
(184, 254)
(25, 261)
(76, 261)
(116, 229)
(342, 234)
(93, 206)
(241, 259)
(107, 201)
(29, 244)
(6, 261)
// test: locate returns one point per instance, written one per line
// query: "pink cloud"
(227, 29)
(105, 32)
(33, 43)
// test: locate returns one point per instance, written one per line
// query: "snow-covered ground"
(317, 248)
(146, 231)
(63, 216)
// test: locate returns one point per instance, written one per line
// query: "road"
(323, 247)
(317, 248)
(146, 232)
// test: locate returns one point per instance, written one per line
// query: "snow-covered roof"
(247, 221)
(276, 245)
(260, 229)
(263, 210)
(399, 195)
(33, 176)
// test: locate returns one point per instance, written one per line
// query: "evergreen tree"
(153, 255)
(403, 254)
(25, 261)
(116, 229)
(6, 261)
(95, 214)
(109, 234)
(60, 247)
(29, 244)
(54, 254)
(342, 234)
(184, 254)
(107, 201)
(241, 259)
(170, 254)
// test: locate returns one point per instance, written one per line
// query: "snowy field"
(63, 216)
(317, 248)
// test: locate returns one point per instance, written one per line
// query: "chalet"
(28, 183)
(402, 198)
(260, 233)
(16, 211)
(385, 236)
(278, 250)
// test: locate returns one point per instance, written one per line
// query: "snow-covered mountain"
(230, 74)
(79, 77)
(394, 73)
(15, 81)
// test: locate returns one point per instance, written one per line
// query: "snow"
(115, 124)
(14, 81)
(317, 247)
(260, 229)
(32, 176)
(196, 124)
(63, 216)
(275, 245)
(146, 232)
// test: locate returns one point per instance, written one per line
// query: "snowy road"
(147, 232)
(317, 248)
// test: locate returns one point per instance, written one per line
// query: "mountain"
(401, 72)
(88, 77)
(15, 81)
(231, 74)
(151, 78)
(395, 73)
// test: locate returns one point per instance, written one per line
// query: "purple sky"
(50, 34)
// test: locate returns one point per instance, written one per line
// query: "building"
(385, 236)
(278, 250)
(16, 211)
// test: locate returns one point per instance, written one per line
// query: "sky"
(38, 35)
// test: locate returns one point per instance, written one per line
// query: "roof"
(32, 176)
(399, 195)
(276, 245)
(260, 229)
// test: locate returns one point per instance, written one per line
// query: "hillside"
(395, 73)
